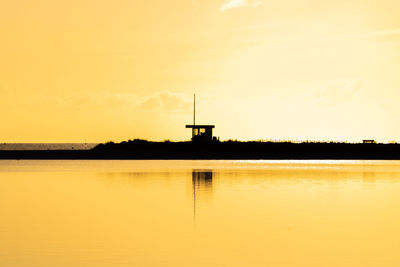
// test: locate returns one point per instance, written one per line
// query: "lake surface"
(199, 213)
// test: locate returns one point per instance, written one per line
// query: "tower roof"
(200, 126)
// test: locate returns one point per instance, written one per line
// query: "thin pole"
(194, 110)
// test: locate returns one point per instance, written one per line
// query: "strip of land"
(140, 149)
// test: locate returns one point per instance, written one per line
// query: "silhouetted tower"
(200, 133)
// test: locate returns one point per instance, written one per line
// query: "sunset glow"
(115, 70)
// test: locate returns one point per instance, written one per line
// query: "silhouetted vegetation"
(230, 149)
(234, 149)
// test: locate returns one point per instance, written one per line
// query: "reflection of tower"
(368, 177)
(201, 182)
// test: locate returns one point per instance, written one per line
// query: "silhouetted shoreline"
(141, 149)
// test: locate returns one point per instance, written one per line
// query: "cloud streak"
(167, 101)
(163, 101)
(384, 33)
(229, 4)
(337, 91)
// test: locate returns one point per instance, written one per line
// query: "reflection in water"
(368, 177)
(202, 182)
(250, 213)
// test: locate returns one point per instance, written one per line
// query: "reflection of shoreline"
(368, 177)
(202, 182)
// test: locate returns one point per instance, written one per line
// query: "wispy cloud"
(233, 4)
(168, 101)
(229, 4)
(165, 101)
(379, 34)
(337, 91)
(384, 33)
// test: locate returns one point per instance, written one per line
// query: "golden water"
(199, 213)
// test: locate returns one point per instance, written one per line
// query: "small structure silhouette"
(368, 141)
(201, 133)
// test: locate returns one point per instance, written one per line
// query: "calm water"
(199, 213)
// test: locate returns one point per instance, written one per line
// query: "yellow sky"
(114, 70)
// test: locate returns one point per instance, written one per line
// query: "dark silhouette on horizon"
(201, 133)
(204, 145)
(142, 149)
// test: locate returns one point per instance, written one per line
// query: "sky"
(101, 70)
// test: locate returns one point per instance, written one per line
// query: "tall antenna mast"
(194, 110)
